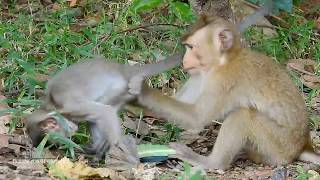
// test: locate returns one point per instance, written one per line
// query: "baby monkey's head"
(42, 122)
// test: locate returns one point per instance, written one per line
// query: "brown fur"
(263, 111)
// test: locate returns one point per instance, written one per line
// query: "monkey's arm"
(180, 113)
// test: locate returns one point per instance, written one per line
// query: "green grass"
(33, 45)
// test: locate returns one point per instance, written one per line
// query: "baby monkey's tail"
(161, 66)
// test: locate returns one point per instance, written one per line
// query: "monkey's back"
(92, 80)
(269, 88)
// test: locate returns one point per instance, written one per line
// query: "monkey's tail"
(309, 155)
(253, 18)
(161, 66)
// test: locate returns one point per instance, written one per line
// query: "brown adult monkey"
(93, 91)
(264, 114)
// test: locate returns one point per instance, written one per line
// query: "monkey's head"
(41, 122)
(210, 42)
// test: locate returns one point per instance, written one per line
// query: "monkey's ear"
(225, 39)
(49, 124)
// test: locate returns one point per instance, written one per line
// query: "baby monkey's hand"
(135, 85)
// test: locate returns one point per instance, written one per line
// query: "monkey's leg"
(97, 139)
(261, 137)
(274, 144)
(231, 139)
(103, 116)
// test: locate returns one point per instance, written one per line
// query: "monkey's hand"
(135, 85)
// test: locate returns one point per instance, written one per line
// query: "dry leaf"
(73, 2)
(55, 7)
(42, 77)
(140, 127)
(310, 78)
(129, 123)
(92, 20)
(80, 170)
(29, 165)
(318, 23)
(1, 84)
(306, 66)
(16, 148)
(189, 136)
(4, 140)
(311, 81)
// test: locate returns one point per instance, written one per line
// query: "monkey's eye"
(188, 46)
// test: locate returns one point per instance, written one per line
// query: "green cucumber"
(147, 150)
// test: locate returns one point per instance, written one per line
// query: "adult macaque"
(264, 114)
(93, 91)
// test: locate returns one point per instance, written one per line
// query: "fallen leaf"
(80, 170)
(318, 23)
(72, 3)
(129, 123)
(4, 140)
(1, 84)
(55, 7)
(306, 66)
(42, 77)
(92, 20)
(16, 148)
(311, 81)
(140, 127)
(29, 165)
(190, 136)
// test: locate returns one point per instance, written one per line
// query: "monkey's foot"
(185, 153)
(123, 155)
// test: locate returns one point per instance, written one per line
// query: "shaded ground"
(15, 163)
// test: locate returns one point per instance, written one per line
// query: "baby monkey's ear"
(49, 124)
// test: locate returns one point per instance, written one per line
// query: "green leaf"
(68, 143)
(182, 11)
(285, 5)
(40, 147)
(145, 5)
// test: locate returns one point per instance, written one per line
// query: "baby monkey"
(93, 91)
